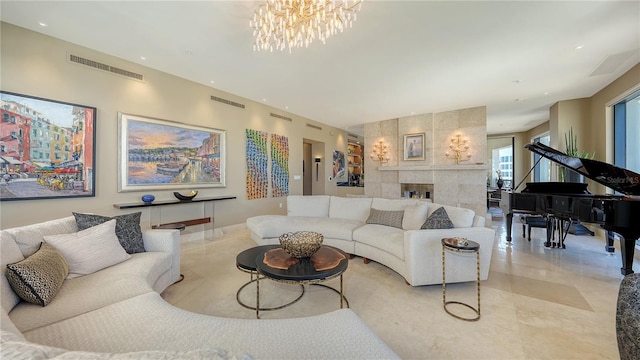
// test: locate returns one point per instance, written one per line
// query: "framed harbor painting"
(47, 148)
(159, 154)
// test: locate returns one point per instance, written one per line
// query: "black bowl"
(187, 197)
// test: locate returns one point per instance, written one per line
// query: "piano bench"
(529, 221)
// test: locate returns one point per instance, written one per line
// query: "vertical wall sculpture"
(279, 165)
(257, 161)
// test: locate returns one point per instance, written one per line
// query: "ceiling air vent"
(353, 136)
(281, 117)
(228, 102)
(314, 126)
(104, 67)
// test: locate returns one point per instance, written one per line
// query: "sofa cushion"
(86, 293)
(460, 217)
(394, 204)
(13, 348)
(414, 216)
(310, 206)
(438, 220)
(272, 226)
(128, 228)
(349, 208)
(387, 218)
(10, 253)
(90, 250)
(38, 278)
(29, 237)
(385, 238)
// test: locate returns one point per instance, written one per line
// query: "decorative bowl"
(187, 197)
(148, 198)
(301, 244)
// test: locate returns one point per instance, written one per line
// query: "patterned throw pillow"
(128, 228)
(38, 278)
(388, 218)
(439, 219)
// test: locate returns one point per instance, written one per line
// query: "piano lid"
(619, 179)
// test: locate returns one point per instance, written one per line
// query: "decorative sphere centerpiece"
(301, 244)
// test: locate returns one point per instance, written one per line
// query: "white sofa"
(414, 253)
(118, 313)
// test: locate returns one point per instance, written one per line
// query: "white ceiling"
(400, 58)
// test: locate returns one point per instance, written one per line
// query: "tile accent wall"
(461, 185)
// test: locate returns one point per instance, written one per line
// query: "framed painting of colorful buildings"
(47, 148)
(159, 154)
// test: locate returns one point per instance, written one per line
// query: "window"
(626, 119)
(503, 161)
(542, 172)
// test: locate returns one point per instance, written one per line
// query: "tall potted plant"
(571, 145)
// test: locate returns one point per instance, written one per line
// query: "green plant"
(571, 144)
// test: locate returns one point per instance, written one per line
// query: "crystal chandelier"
(288, 24)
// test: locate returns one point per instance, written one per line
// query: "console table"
(155, 217)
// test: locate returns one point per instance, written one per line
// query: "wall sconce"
(317, 165)
(458, 146)
(380, 152)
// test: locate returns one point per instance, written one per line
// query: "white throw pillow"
(414, 216)
(90, 250)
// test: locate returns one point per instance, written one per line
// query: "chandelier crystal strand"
(287, 24)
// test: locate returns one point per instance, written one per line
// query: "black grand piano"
(619, 214)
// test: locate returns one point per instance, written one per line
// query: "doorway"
(313, 164)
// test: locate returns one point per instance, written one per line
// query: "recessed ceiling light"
(143, 58)
(43, 24)
(545, 93)
(212, 81)
(579, 47)
(286, 107)
(264, 100)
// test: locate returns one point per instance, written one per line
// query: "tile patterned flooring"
(537, 303)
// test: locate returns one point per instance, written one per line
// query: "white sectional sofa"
(118, 313)
(412, 252)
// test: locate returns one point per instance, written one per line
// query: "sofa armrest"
(423, 255)
(165, 240)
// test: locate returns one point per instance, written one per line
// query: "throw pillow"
(90, 250)
(439, 219)
(414, 216)
(38, 278)
(388, 218)
(128, 228)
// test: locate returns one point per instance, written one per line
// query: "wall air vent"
(104, 67)
(281, 117)
(228, 102)
(314, 126)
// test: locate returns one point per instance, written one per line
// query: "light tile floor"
(537, 304)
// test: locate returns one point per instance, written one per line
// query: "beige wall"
(34, 64)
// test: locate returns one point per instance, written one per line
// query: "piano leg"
(550, 231)
(627, 248)
(609, 247)
(509, 225)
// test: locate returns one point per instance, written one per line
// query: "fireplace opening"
(416, 191)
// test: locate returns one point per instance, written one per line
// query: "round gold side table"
(465, 246)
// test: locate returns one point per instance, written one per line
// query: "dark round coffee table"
(327, 263)
(246, 261)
